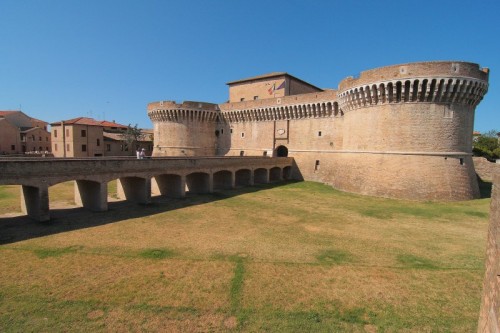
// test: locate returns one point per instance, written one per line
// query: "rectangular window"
(67, 147)
(108, 147)
(242, 134)
(461, 161)
(319, 133)
(98, 143)
(13, 147)
(84, 147)
(231, 131)
(255, 98)
(55, 133)
(55, 146)
(39, 138)
(242, 153)
(242, 99)
(316, 165)
(84, 133)
(67, 132)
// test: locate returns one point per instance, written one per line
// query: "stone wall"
(485, 169)
(490, 304)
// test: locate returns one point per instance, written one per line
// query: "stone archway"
(282, 151)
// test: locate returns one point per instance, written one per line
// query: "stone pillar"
(35, 202)
(91, 195)
(490, 303)
(134, 189)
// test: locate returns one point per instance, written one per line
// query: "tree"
(487, 145)
(132, 135)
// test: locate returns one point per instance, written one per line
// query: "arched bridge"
(137, 179)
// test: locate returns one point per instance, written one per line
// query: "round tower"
(408, 129)
(186, 129)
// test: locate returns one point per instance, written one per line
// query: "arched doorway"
(282, 151)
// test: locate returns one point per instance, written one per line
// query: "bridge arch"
(243, 177)
(223, 180)
(261, 176)
(198, 182)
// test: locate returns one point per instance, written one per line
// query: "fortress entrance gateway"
(282, 151)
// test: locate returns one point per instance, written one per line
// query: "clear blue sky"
(61, 59)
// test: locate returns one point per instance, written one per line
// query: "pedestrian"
(138, 153)
(142, 153)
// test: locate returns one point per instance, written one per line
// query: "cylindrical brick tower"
(186, 129)
(407, 130)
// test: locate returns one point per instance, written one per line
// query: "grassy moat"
(299, 257)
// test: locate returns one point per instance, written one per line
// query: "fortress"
(401, 131)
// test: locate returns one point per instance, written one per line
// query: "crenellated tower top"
(445, 82)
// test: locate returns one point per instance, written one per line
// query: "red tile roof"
(89, 122)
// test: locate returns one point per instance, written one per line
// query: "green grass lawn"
(301, 257)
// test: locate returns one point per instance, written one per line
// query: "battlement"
(431, 82)
(187, 110)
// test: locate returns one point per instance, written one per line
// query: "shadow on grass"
(19, 228)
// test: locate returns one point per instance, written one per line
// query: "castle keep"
(402, 131)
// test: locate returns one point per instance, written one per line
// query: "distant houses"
(87, 137)
(22, 134)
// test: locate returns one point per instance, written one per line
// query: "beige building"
(401, 131)
(87, 137)
(21, 134)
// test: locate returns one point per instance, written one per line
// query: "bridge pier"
(92, 195)
(35, 202)
(134, 189)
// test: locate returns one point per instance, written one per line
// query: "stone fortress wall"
(402, 131)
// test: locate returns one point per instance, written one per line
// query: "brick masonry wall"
(485, 169)
(490, 304)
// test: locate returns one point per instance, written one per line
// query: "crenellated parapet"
(306, 106)
(428, 82)
(170, 111)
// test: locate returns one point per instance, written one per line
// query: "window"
(231, 131)
(55, 133)
(84, 147)
(108, 147)
(222, 131)
(461, 161)
(319, 133)
(98, 142)
(255, 98)
(47, 139)
(264, 153)
(67, 147)
(55, 146)
(242, 153)
(13, 147)
(242, 134)
(39, 138)
(67, 132)
(316, 166)
(84, 133)
(242, 99)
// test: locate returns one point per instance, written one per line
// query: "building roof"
(89, 122)
(269, 76)
(4, 113)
